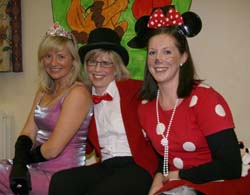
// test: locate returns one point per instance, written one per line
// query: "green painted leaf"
(182, 5)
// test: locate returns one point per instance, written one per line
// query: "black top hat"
(104, 38)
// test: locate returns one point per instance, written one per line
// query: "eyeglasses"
(104, 64)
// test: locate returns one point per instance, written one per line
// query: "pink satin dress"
(72, 156)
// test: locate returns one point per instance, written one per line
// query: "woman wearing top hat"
(126, 160)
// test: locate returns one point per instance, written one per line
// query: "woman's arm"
(30, 128)
(226, 163)
(19, 174)
(74, 110)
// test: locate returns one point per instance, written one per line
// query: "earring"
(181, 64)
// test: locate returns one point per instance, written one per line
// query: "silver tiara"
(57, 30)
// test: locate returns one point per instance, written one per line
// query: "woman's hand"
(173, 175)
(159, 180)
(157, 183)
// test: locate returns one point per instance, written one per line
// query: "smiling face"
(58, 64)
(164, 59)
(100, 70)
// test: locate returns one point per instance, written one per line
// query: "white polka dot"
(144, 101)
(178, 163)
(194, 101)
(220, 110)
(189, 146)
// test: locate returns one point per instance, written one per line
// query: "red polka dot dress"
(203, 113)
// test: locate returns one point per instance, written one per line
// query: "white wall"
(220, 52)
(17, 89)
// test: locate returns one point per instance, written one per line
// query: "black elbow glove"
(36, 155)
(20, 182)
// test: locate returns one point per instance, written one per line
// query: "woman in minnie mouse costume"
(188, 122)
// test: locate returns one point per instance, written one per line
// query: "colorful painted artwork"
(82, 16)
(5, 40)
(10, 36)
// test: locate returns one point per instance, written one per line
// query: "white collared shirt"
(110, 127)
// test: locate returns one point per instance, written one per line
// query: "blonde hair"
(121, 71)
(57, 43)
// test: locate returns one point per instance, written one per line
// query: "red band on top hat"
(172, 18)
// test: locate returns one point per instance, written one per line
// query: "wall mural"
(82, 16)
(10, 36)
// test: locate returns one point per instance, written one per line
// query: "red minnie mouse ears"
(189, 24)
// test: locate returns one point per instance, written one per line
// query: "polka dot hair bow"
(188, 24)
(172, 18)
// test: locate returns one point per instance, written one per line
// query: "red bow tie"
(98, 98)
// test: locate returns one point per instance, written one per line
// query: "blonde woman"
(54, 135)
